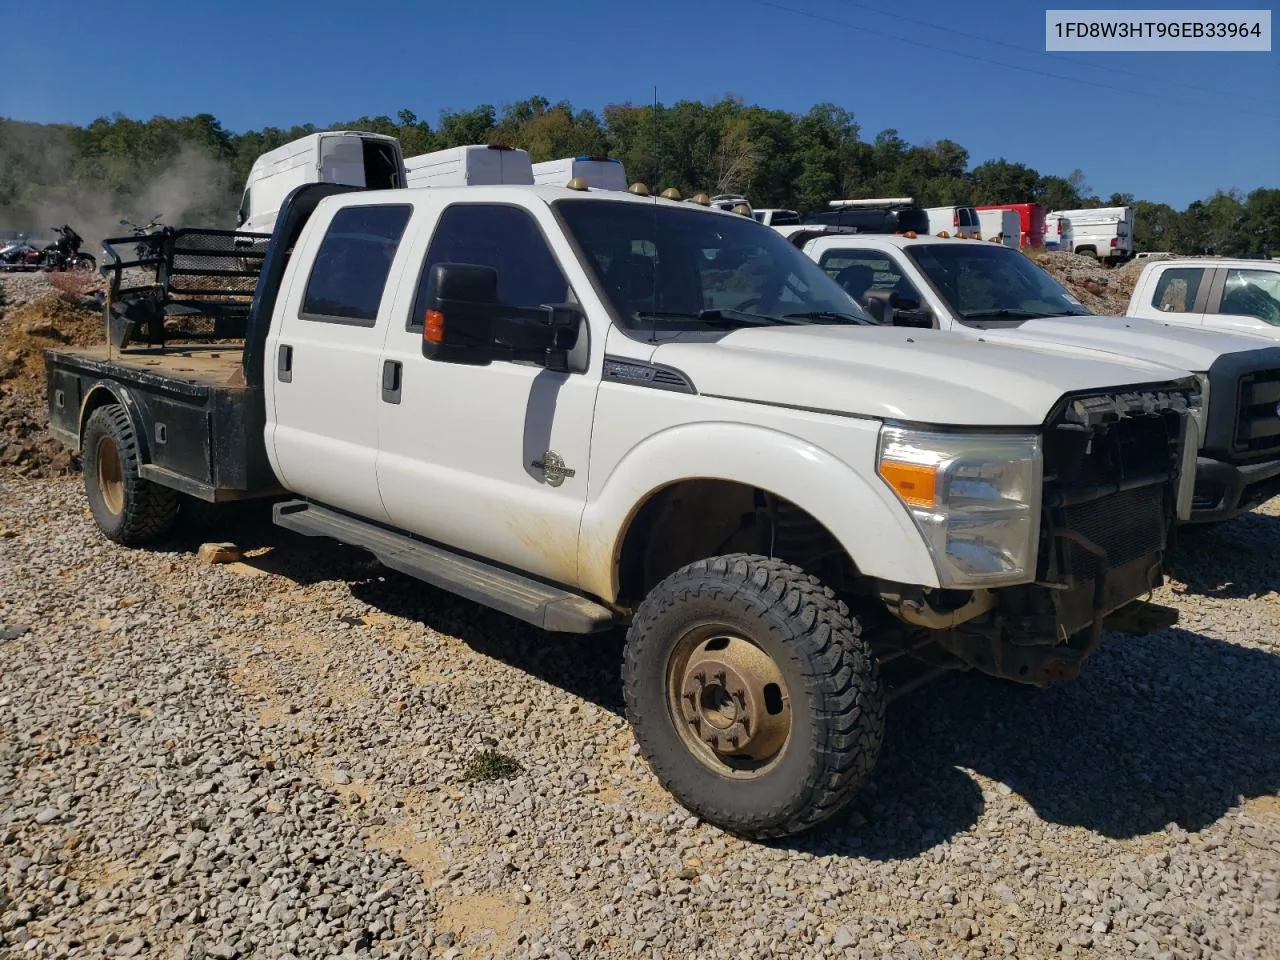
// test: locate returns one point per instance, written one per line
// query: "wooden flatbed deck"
(215, 365)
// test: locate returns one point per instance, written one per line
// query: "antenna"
(657, 186)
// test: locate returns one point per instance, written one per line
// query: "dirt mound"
(63, 312)
(1105, 292)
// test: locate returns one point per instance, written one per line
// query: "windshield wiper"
(717, 317)
(1002, 315)
(831, 315)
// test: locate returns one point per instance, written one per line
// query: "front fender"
(859, 510)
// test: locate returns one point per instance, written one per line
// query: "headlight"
(975, 499)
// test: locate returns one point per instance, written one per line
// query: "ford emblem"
(1278, 409)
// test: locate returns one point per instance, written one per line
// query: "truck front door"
(490, 460)
(322, 370)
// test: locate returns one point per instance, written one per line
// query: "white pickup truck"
(495, 389)
(990, 293)
(1217, 293)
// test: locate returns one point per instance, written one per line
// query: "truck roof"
(894, 240)
(1209, 262)
(548, 193)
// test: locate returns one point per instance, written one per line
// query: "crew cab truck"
(493, 389)
(997, 295)
(1216, 293)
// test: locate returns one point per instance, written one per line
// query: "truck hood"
(924, 376)
(1186, 348)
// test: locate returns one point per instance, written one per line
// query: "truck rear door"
(1174, 294)
(488, 459)
(323, 374)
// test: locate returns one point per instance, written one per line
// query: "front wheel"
(752, 695)
(127, 508)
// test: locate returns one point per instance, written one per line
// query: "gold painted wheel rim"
(110, 476)
(728, 701)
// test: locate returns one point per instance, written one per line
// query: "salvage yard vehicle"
(597, 171)
(353, 157)
(494, 390)
(1218, 293)
(998, 295)
(472, 165)
(1102, 232)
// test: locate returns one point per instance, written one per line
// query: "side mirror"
(466, 323)
(458, 326)
(885, 306)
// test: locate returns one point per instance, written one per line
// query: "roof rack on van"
(598, 158)
(874, 202)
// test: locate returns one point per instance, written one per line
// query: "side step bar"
(545, 606)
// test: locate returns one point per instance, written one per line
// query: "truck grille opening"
(1258, 420)
(1111, 479)
(1129, 526)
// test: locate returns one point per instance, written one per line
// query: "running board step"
(545, 606)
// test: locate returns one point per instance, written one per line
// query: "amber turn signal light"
(433, 328)
(915, 483)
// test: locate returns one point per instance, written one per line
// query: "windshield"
(670, 268)
(991, 285)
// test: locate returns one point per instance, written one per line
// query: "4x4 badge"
(553, 469)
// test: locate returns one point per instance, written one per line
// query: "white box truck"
(599, 172)
(350, 157)
(473, 165)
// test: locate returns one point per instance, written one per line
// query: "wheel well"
(98, 397)
(695, 519)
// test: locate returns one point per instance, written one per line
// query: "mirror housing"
(885, 306)
(466, 323)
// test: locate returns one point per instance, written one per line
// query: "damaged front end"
(1115, 467)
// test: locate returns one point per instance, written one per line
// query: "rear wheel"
(127, 508)
(752, 695)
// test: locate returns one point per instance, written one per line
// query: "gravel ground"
(269, 758)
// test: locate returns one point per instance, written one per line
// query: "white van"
(351, 157)
(602, 173)
(469, 166)
(1004, 224)
(953, 220)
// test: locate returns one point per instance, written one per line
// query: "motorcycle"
(65, 254)
(145, 247)
(19, 254)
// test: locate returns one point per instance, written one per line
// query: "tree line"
(774, 157)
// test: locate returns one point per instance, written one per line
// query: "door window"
(1176, 290)
(860, 271)
(499, 236)
(1252, 293)
(351, 267)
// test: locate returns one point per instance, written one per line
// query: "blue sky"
(279, 62)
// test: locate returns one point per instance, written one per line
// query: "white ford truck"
(591, 409)
(994, 294)
(1216, 293)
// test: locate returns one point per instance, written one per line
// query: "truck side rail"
(188, 283)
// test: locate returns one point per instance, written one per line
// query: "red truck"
(1031, 218)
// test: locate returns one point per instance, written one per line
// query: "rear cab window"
(1176, 289)
(349, 274)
